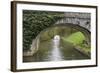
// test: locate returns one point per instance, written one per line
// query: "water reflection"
(55, 52)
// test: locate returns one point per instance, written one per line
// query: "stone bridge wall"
(82, 19)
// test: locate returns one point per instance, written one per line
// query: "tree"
(35, 21)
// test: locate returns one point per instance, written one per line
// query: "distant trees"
(35, 21)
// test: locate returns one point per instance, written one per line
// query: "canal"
(54, 50)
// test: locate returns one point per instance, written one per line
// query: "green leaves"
(75, 38)
(35, 21)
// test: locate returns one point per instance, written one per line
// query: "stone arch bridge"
(36, 41)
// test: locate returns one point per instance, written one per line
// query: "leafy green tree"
(36, 21)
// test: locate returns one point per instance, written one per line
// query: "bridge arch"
(50, 30)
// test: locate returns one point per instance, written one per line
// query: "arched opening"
(62, 42)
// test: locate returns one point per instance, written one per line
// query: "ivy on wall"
(36, 21)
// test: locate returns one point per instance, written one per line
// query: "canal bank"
(82, 51)
(54, 50)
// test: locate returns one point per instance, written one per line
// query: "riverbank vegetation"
(78, 40)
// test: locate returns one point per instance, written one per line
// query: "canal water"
(53, 50)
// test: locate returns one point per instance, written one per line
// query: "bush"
(35, 21)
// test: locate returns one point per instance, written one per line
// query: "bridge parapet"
(82, 19)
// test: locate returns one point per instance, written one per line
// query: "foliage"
(35, 21)
(79, 41)
(76, 38)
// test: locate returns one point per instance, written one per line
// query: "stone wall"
(82, 19)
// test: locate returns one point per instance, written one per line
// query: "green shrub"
(35, 21)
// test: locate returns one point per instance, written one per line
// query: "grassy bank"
(78, 40)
